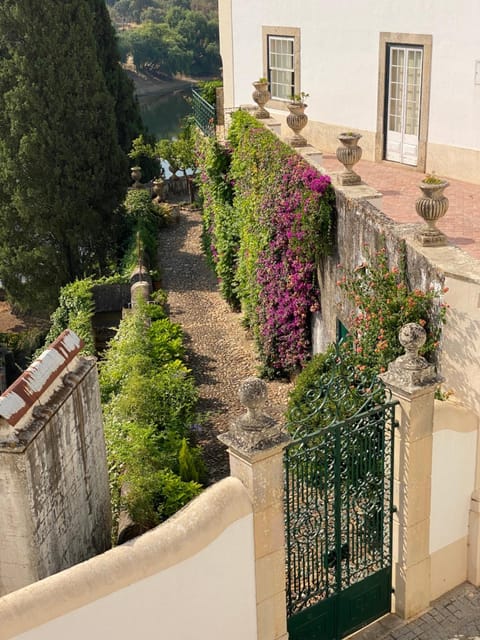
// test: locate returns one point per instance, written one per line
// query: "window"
(281, 63)
(281, 70)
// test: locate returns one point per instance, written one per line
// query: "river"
(162, 114)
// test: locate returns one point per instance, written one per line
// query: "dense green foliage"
(75, 305)
(149, 405)
(144, 218)
(171, 37)
(148, 395)
(267, 216)
(63, 173)
(178, 153)
(208, 90)
(75, 311)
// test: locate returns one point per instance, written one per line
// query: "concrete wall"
(55, 500)
(340, 52)
(191, 577)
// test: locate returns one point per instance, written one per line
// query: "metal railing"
(205, 114)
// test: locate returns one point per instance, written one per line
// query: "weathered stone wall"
(111, 297)
(362, 229)
(54, 496)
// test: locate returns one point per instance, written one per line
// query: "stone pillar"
(255, 445)
(413, 382)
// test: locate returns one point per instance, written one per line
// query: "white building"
(405, 75)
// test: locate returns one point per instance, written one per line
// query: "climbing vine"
(267, 217)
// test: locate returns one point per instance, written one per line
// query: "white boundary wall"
(191, 577)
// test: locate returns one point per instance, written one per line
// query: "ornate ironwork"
(341, 391)
(339, 500)
(204, 113)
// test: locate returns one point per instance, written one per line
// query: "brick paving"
(399, 186)
(454, 616)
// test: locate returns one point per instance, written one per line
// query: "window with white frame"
(281, 67)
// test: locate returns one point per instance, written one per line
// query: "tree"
(127, 111)
(157, 46)
(62, 171)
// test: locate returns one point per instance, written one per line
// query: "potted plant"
(431, 206)
(349, 154)
(297, 119)
(261, 96)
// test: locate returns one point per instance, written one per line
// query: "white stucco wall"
(192, 577)
(453, 479)
(340, 58)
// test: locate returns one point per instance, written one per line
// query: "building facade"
(405, 76)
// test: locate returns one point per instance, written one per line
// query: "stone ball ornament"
(252, 394)
(412, 337)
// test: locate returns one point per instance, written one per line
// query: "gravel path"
(218, 350)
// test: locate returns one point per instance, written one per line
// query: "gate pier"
(255, 446)
(412, 382)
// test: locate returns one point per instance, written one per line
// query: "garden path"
(219, 352)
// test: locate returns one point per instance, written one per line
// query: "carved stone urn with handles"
(431, 206)
(261, 96)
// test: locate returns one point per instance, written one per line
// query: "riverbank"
(147, 85)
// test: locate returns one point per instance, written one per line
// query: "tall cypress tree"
(62, 172)
(127, 112)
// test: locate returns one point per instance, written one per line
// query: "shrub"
(75, 311)
(382, 303)
(149, 404)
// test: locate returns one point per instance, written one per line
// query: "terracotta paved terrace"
(399, 186)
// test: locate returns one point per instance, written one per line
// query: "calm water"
(162, 114)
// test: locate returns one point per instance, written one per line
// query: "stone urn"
(297, 120)
(158, 185)
(136, 173)
(431, 206)
(349, 154)
(261, 96)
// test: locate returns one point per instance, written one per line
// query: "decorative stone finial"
(253, 395)
(254, 430)
(412, 337)
(410, 370)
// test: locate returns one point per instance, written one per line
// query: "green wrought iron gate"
(339, 517)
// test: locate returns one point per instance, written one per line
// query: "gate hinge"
(396, 424)
(393, 590)
(394, 508)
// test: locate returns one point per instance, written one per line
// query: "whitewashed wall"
(454, 478)
(192, 577)
(340, 57)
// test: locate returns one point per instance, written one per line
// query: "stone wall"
(54, 501)
(111, 297)
(361, 228)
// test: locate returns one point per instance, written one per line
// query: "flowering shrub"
(382, 304)
(264, 241)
